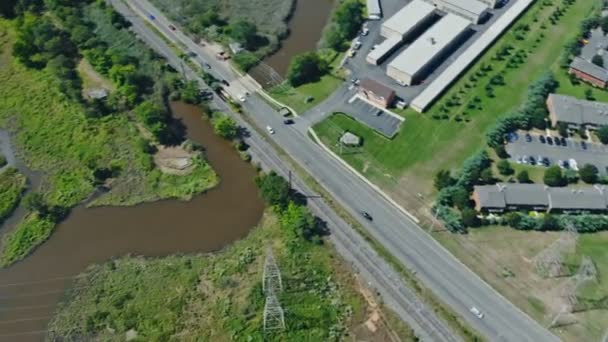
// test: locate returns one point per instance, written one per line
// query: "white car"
(365, 31)
(573, 164)
(357, 45)
(270, 129)
(242, 98)
(475, 311)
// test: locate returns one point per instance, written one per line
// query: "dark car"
(224, 82)
(542, 139)
(532, 161)
(207, 66)
(528, 137)
(546, 161)
(288, 121)
(367, 216)
(549, 140)
(564, 141)
(558, 142)
(584, 145)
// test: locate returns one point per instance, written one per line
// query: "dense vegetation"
(346, 23)
(218, 297)
(258, 25)
(12, 185)
(306, 68)
(79, 143)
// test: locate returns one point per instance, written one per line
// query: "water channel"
(305, 29)
(30, 289)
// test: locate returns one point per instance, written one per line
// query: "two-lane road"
(441, 272)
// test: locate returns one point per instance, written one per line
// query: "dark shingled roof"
(589, 68)
(377, 88)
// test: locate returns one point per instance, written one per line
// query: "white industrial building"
(383, 50)
(407, 67)
(374, 12)
(400, 27)
(472, 10)
(407, 20)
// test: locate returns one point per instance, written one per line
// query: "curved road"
(440, 271)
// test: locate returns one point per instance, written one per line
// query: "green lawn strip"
(214, 297)
(32, 231)
(446, 142)
(295, 97)
(12, 185)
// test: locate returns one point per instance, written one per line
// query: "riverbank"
(219, 296)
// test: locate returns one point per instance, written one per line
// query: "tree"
(297, 220)
(604, 24)
(602, 134)
(504, 167)
(209, 18)
(553, 176)
(225, 126)
(562, 129)
(588, 173)
(245, 33)
(598, 60)
(501, 152)
(305, 68)
(154, 118)
(461, 198)
(486, 176)
(523, 177)
(513, 219)
(35, 202)
(571, 176)
(245, 60)
(334, 39)
(274, 189)
(191, 93)
(349, 18)
(469, 218)
(443, 179)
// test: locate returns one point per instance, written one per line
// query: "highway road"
(441, 272)
(375, 271)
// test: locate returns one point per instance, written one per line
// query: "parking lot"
(360, 68)
(374, 117)
(580, 152)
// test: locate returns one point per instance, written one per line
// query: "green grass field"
(426, 144)
(215, 297)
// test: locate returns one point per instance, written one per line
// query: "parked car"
(475, 311)
(542, 139)
(351, 53)
(573, 164)
(365, 31)
(549, 140)
(242, 98)
(532, 161)
(357, 45)
(518, 160)
(524, 159)
(270, 130)
(558, 141)
(546, 161)
(512, 137)
(207, 66)
(288, 121)
(528, 137)
(224, 82)
(583, 145)
(564, 141)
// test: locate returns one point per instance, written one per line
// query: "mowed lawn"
(426, 144)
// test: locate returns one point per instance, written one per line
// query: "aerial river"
(31, 289)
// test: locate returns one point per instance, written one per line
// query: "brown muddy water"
(305, 28)
(31, 289)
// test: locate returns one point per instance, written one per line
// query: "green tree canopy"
(588, 173)
(274, 189)
(553, 176)
(602, 134)
(305, 68)
(349, 17)
(443, 179)
(504, 167)
(523, 177)
(225, 126)
(245, 33)
(469, 218)
(597, 60)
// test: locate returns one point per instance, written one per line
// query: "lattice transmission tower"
(274, 317)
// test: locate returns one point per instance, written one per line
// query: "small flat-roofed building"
(383, 50)
(577, 113)
(409, 19)
(512, 196)
(376, 92)
(425, 52)
(473, 10)
(589, 72)
(374, 12)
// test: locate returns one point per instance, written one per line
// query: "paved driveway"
(595, 154)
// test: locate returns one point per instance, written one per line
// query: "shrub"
(602, 134)
(523, 177)
(588, 173)
(245, 60)
(504, 167)
(553, 176)
(305, 68)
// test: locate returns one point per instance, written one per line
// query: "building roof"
(591, 198)
(409, 16)
(474, 7)
(428, 95)
(502, 195)
(572, 110)
(383, 48)
(430, 44)
(373, 8)
(377, 88)
(589, 69)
